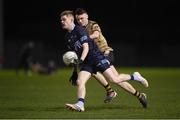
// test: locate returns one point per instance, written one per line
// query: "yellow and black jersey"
(100, 41)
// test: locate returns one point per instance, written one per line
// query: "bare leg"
(100, 78)
(108, 73)
(83, 77)
(121, 81)
(124, 85)
(110, 93)
(112, 76)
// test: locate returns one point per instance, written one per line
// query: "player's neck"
(71, 28)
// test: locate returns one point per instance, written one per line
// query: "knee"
(115, 81)
(80, 83)
(118, 80)
(121, 76)
(122, 84)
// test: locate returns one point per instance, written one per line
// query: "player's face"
(66, 22)
(82, 19)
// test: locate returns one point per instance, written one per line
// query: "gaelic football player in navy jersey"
(75, 40)
(90, 60)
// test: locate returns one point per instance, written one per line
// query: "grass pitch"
(42, 96)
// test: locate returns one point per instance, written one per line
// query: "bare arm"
(85, 51)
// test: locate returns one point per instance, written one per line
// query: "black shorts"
(110, 57)
(100, 67)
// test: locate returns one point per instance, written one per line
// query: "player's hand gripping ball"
(69, 57)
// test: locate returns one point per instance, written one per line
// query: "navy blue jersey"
(76, 38)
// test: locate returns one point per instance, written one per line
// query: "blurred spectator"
(25, 58)
(41, 69)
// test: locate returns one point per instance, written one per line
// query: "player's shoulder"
(79, 28)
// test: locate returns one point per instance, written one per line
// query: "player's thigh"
(108, 73)
(114, 70)
(83, 77)
(100, 78)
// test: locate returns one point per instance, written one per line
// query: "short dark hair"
(80, 11)
(66, 12)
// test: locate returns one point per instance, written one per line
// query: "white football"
(69, 57)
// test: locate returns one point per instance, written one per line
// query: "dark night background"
(142, 33)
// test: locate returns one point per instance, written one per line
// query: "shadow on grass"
(17, 109)
(62, 108)
(33, 109)
(54, 109)
(111, 107)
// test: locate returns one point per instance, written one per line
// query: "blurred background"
(142, 33)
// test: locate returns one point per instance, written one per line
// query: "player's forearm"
(85, 51)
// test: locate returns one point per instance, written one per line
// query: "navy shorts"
(101, 66)
(110, 57)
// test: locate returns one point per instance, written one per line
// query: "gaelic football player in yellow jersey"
(95, 34)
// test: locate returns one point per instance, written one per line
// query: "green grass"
(41, 96)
